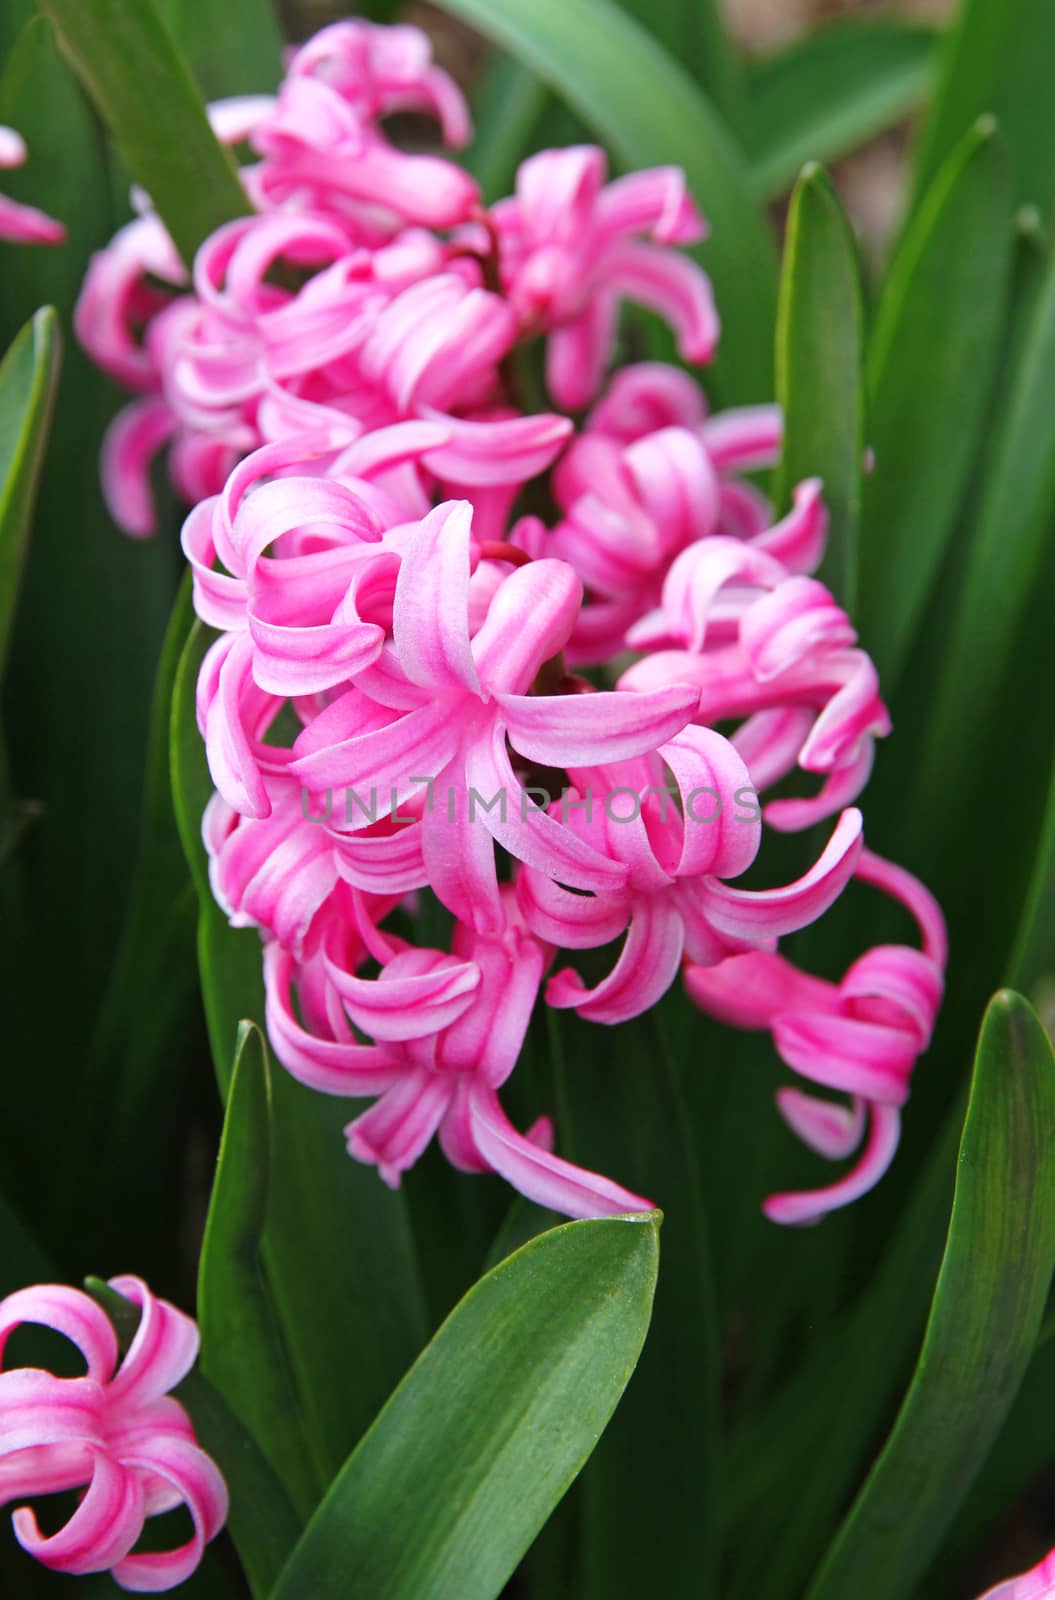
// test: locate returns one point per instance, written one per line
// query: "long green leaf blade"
(832, 92)
(696, 36)
(480, 1441)
(243, 1351)
(28, 376)
(984, 1319)
(931, 359)
(91, 615)
(1005, 558)
(648, 111)
(997, 59)
(124, 1105)
(818, 366)
(234, 48)
(128, 62)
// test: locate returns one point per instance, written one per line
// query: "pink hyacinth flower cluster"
(1036, 1584)
(23, 224)
(116, 1433)
(410, 576)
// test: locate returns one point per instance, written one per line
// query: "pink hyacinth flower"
(674, 903)
(765, 644)
(448, 1029)
(1036, 1584)
(301, 555)
(861, 1036)
(23, 224)
(631, 507)
(381, 70)
(116, 1433)
(570, 251)
(441, 703)
(323, 143)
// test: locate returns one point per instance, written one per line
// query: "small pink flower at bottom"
(1036, 1584)
(116, 1433)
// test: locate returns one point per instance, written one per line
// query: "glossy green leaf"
(243, 1351)
(997, 59)
(261, 1520)
(646, 108)
(233, 48)
(818, 369)
(142, 86)
(1023, 1450)
(484, 1435)
(351, 1306)
(831, 92)
(931, 359)
(984, 1319)
(28, 375)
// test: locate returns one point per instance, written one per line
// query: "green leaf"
(128, 62)
(484, 1435)
(826, 95)
(91, 616)
(997, 59)
(243, 1351)
(1003, 565)
(836, 1397)
(124, 1105)
(648, 111)
(818, 367)
(233, 48)
(931, 360)
(351, 1305)
(261, 1519)
(28, 376)
(984, 1319)
(696, 36)
(1023, 1450)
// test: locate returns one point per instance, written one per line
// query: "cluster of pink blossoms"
(408, 572)
(116, 1433)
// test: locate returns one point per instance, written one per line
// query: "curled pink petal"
(130, 444)
(771, 913)
(545, 1178)
(810, 1205)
